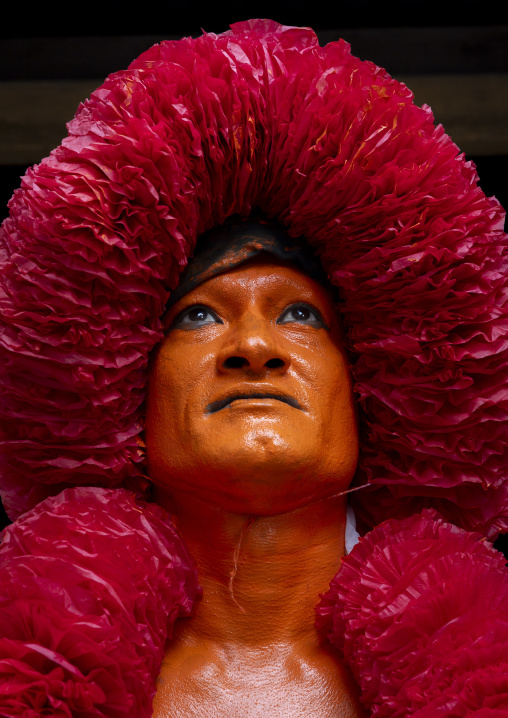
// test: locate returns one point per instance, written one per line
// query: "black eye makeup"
(195, 317)
(302, 313)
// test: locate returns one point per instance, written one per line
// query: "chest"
(201, 681)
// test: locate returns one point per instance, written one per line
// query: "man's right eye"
(195, 317)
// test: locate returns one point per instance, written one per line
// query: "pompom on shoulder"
(91, 583)
(418, 609)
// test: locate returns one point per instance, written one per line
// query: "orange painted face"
(249, 402)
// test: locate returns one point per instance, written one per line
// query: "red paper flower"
(332, 147)
(419, 610)
(90, 585)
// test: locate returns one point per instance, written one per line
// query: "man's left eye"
(302, 314)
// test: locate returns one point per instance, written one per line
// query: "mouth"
(227, 400)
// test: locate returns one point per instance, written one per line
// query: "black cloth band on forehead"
(230, 245)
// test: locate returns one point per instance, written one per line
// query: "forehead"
(264, 273)
(226, 247)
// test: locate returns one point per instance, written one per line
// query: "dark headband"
(225, 247)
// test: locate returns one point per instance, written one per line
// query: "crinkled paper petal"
(91, 583)
(418, 609)
(333, 148)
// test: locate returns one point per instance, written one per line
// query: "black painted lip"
(222, 403)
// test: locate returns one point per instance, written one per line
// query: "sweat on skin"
(251, 434)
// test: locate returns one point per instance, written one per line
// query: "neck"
(261, 575)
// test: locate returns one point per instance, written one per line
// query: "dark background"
(65, 42)
(49, 53)
(179, 17)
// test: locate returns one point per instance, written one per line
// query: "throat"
(261, 575)
(251, 648)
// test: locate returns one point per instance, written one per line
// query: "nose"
(253, 347)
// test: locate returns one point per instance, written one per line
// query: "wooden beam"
(473, 109)
(33, 116)
(401, 50)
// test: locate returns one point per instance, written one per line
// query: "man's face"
(249, 402)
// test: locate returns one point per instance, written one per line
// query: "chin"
(257, 470)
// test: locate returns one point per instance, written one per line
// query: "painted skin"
(251, 433)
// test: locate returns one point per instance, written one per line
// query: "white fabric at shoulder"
(352, 535)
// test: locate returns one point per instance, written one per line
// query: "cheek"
(340, 391)
(164, 410)
(174, 378)
(177, 393)
(337, 406)
(162, 391)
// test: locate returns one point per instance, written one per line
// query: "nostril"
(235, 362)
(274, 363)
